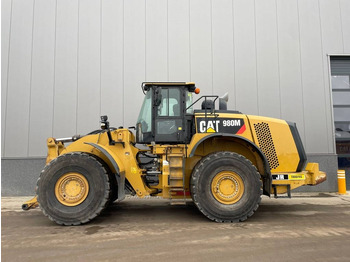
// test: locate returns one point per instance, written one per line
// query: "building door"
(340, 79)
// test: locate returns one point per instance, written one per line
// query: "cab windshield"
(189, 102)
(145, 116)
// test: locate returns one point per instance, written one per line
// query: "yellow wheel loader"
(221, 159)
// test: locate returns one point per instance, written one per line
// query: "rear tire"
(73, 189)
(226, 187)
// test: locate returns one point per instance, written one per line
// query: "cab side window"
(168, 123)
(170, 105)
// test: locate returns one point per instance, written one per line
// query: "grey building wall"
(66, 62)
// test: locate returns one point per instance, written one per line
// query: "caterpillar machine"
(221, 159)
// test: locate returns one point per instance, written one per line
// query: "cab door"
(168, 112)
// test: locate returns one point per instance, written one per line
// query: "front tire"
(113, 185)
(73, 189)
(226, 187)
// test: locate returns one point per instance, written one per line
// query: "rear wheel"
(73, 189)
(226, 187)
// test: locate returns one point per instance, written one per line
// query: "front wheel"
(73, 189)
(226, 187)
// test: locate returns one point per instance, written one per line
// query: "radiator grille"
(266, 143)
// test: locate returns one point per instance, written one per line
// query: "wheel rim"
(71, 189)
(227, 187)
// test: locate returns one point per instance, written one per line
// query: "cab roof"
(148, 85)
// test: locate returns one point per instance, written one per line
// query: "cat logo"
(212, 127)
(222, 125)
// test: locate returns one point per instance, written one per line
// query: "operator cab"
(166, 116)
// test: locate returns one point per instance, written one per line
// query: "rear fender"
(266, 173)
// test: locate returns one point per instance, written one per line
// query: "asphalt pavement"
(308, 227)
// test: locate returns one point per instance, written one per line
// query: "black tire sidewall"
(97, 179)
(209, 205)
(113, 195)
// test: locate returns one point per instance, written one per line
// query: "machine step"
(176, 189)
(178, 202)
(175, 178)
(274, 186)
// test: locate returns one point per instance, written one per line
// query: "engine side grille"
(266, 143)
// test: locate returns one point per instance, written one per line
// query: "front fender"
(117, 166)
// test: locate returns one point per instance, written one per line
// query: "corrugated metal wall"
(66, 62)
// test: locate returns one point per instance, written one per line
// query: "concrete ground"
(308, 227)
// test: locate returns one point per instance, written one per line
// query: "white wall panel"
(345, 18)
(201, 45)
(6, 12)
(312, 77)
(292, 102)
(332, 43)
(86, 58)
(112, 61)
(246, 98)
(223, 60)
(267, 58)
(179, 40)
(19, 78)
(156, 40)
(41, 98)
(134, 58)
(331, 25)
(89, 59)
(66, 73)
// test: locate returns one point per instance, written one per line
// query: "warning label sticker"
(296, 177)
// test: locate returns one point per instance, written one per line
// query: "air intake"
(266, 144)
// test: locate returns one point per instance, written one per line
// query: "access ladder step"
(175, 177)
(274, 186)
(176, 189)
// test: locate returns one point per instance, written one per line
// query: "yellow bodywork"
(30, 204)
(283, 142)
(176, 162)
(123, 153)
(311, 176)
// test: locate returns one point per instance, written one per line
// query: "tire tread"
(104, 201)
(195, 175)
